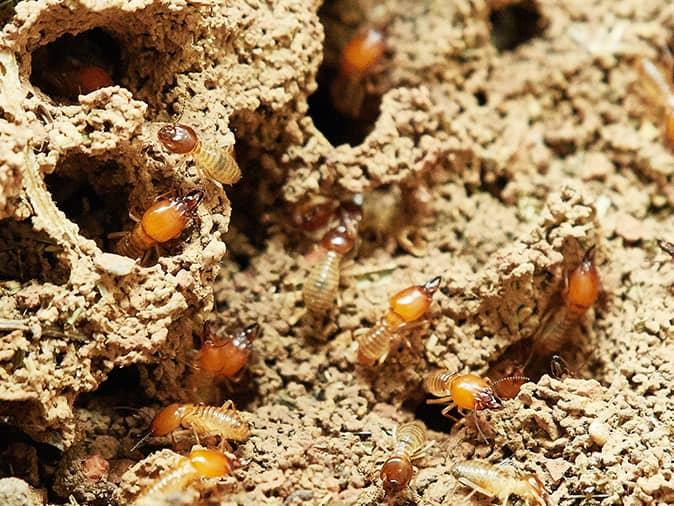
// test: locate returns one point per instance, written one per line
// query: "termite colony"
(334, 226)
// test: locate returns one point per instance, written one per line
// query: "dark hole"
(431, 415)
(75, 64)
(121, 385)
(481, 97)
(339, 128)
(94, 194)
(16, 460)
(27, 254)
(514, 25)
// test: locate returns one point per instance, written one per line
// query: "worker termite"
(494, 481)
(405, 309)
(320, 288)
(227, 357)
(360, 57)
(658, 84)
(464, 391)
(580, 293)
(214, 162)
(225, 422)
(410, 445)
(162, 222)
(201, 463)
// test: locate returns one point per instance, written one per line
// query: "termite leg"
(476, 420)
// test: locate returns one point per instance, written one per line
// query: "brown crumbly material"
(530, 155)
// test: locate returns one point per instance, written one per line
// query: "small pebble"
(115, 264)
(599, 432)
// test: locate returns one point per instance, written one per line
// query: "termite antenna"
(145, 437)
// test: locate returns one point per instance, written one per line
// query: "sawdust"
(531, 148)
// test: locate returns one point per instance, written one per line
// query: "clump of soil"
(524, 125)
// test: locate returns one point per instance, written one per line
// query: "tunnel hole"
(77, 64)
(431, 415)
(121, 387)
(94, 194)
(514, 24)
(27, 254)
(347, 102)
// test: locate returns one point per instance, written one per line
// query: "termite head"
(363, 52)
(536, 490)
(411, 303)
(583, 283)
(168, 419)
(92, 78)
(312, 214)
(396, 473)
(339, 239)
(177, 138)
(211, 463)
(189, 202)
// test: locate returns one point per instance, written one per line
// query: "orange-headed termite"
(405, 308)
(165, 220)
(320, 288)
(495, 481)
(464, 391)
(581, 292)
(214, 162)
(360, 57)
(225, 422)
(410, 444)
(227, 357)
(658, 84)
(201, 463)
(667, 247)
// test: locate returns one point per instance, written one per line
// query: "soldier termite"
(225, 422)
(213, 161)
(410, 445)
(201, 463)
(162, 222)
(580, 293)
(464, 391)
(405, 308)
(320, 288)
(494, 481)
(667, 247)
(227, 357)
(360, 57)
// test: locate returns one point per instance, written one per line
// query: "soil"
(507, 137)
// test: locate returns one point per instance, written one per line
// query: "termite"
(321, 286)
(214, 162)
(225, 422)
(667, 247)
(313, 214)
(659, 86)
(410, 445)
(405, 309)
(463, 391)
(359, 58)
(71, 80)
(580, 293)
(494, 481)
(201, 463)
(509, 387)
(227, 357)
(162, 222)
